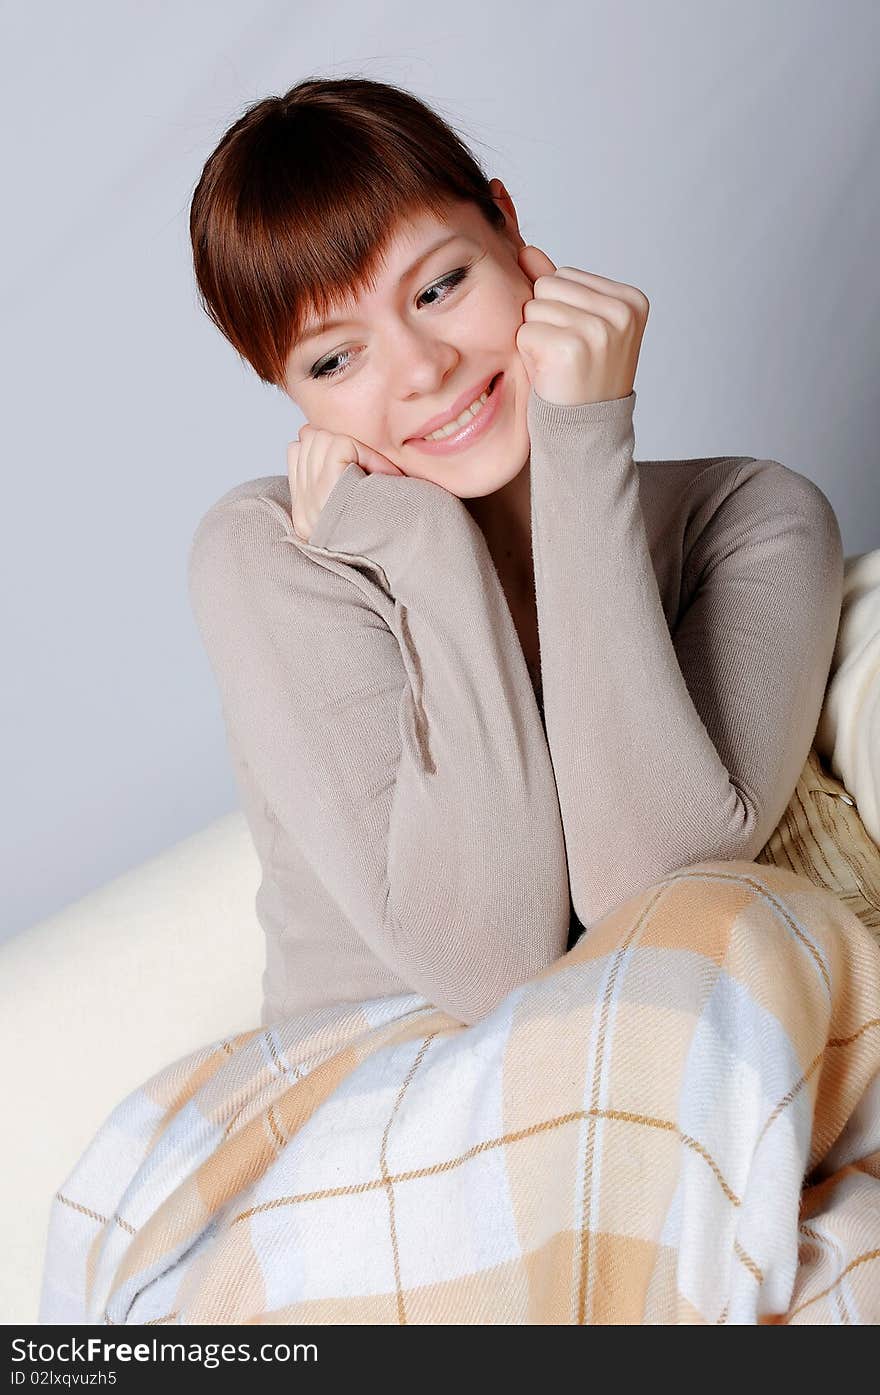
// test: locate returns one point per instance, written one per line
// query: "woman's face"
(436, 327)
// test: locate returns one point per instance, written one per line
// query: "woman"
(373, 622)
(484, 688)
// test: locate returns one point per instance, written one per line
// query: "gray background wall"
(721, 156)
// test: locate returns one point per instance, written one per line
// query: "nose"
(425, 384)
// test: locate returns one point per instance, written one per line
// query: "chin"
(481, 477)
(479, 484)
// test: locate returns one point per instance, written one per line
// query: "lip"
(477, 426)
(458, 406)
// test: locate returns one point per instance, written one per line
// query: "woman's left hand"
(581, 333)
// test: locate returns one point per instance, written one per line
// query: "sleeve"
(399, 745)
(673, 748)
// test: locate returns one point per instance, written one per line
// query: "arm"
(670, 749)
(393, 734)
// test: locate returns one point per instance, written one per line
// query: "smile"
(472, 423)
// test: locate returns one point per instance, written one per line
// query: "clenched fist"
(581, 333)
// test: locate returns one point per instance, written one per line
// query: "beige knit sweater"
(421, 824)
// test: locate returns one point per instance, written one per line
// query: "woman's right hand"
(315, 462)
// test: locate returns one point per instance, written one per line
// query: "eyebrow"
(337, 323)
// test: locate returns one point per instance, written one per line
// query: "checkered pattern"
(676, 1122)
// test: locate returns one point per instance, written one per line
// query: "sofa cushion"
(821, 836)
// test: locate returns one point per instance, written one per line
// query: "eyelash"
(454, 279)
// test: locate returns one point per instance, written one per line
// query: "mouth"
(462, 405)
(459, 434)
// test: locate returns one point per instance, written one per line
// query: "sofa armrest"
(97, 998)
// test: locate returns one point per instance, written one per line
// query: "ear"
(503, 199)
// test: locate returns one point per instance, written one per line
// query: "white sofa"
(78, 1000)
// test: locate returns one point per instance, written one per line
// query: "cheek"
(499, 305)
(360, 411)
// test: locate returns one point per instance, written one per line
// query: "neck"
(505, 520)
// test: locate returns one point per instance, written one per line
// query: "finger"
(538, 340)
(373, 462)
(619, 290)
(337, 451)
(534, 262)
(574, 297)
(293, 451)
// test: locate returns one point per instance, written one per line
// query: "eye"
(446, 285)
(452, 280)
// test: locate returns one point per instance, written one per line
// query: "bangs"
(319, 249)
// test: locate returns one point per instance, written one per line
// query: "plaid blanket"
(677, 1122)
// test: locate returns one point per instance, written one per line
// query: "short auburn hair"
(296, 207)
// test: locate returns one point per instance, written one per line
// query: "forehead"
(415, 231)
(412, 238)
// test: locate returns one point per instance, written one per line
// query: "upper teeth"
(452, 426)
